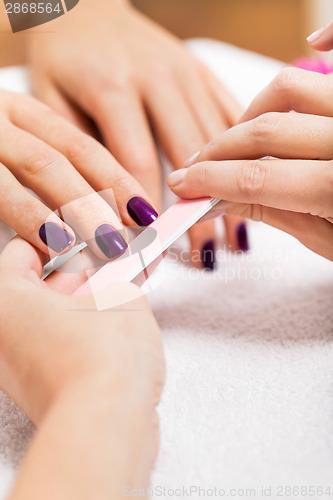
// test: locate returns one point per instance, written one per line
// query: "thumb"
(322, 39)
(23, 260)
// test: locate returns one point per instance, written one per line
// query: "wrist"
(102, 437)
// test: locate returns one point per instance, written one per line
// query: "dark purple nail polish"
(208, 255)
(242, 238)
(141, 212)
(55, 237)
(110, 241)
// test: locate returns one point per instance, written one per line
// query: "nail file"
(149, 245)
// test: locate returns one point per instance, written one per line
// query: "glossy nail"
(192, 159)
(315, 35)
(208, 255)
(141, 211)
(110, 241)
(177, 177)
(55, 237)
(242, 238)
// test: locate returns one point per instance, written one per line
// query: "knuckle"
(251, 179)
(143, 166)
(120, 80)
(286, 79)
(41, 161)
(265, 127)
(81, 145)
(161, 71)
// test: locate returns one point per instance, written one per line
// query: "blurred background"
(277, 28)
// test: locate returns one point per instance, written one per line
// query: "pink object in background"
(315, 65)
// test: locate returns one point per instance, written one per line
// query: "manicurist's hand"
(67, 169)
(89, 380)
(107, 62)
(293, 191)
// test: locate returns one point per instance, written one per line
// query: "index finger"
(294, 89)
(296, 185)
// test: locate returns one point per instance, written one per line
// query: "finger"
(282, 135)
(119, 115)
(31, 219)
(23, 260)
(322, 39)
(57, 100)
(237, 233)
(178, 131)
(175, 125)
(226, 102)
(235, 227)
(203, 242)
(213, 119)
(94, 162)
(314, 232)
(197, 94)
(294, 89)
(54, 179)
(296, 185)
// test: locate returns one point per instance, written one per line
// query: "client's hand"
(67, 169)
(294, 190)
(90, 381)
(107, 62)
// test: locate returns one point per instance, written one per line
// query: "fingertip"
(193, 159)
(315, 36)
(176, 178)
(322, 39)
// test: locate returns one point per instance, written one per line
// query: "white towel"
(249, 394)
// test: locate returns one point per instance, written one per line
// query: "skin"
(58, 162)
(89, 381)
(293, 192)
(106, 63)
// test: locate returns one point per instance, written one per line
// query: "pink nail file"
(166, 230)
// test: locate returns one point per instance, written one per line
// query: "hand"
(293, 192)
(90, 382)
(67, 169)
(322, 39)
(107, 62)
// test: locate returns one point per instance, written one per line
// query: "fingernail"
(315, 35)
(208, 255)
(141, 211)
(55, 237)
(110, 241)
(242, 238)
(177, 177)
(192, 160)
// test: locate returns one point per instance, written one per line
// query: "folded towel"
(249, 394)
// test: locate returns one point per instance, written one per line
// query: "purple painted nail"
(242, 237)
(141, 212)
(110, 241)
(208, 255)
(55, 237)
